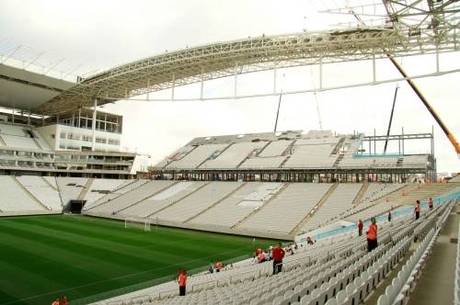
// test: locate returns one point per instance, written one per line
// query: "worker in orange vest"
(417, 209)
(371, 235)
(430, 203)
(182, 281)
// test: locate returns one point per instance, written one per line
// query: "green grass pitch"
(42, 257)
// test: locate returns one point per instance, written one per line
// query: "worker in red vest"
(371, 235)
(64, 301)
(430, 203)
(261, 257)
(360, 227)
(417, 209)
(182, 281)
(278, 255)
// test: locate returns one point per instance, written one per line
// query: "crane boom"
(425, 102)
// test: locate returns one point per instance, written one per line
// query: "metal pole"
(391, 118)
(278, 112)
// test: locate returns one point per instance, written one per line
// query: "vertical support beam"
(437, 59)
(402, 132)
(93, 148)
(375, 142)
(374, 70)
(202, 84)
(321, 73)
(173, 86)
(235, 81)
(79, 118)
(148, 86)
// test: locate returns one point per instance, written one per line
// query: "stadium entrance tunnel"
(75, 206)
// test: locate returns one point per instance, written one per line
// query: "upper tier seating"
(233, 155)
(17, 136)
(197, 156)
(275, 148)
(313, 153)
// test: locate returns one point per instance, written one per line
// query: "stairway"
(337, 161)
(263, 148)
(360, 194)
(2, 142)
(314, 209)
(35, 199)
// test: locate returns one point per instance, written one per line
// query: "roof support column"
(202, 83)
(321, 73)
(235, 82)
(374, 70)
(173, 86)
(93, 148)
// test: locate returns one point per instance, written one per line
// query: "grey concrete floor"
(436, 284)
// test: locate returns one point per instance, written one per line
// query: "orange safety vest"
(182, 279)
(372, 232)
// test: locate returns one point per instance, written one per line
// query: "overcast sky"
(94, 35)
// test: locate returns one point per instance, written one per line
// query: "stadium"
(86, 218)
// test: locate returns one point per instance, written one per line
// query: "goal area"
(138, 223)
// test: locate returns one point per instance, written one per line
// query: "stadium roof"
(217, 60)
(25, 90)
(405, 29)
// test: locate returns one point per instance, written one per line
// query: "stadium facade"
(84, 143)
